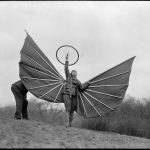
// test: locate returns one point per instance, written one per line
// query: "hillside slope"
(32, 134)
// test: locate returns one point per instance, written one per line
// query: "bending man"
(20, 93)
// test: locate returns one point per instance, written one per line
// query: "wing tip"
(26, 32)
(133, 57)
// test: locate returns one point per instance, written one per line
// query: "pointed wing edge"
(28, 35)
(132, 58)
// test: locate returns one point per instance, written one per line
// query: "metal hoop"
(67, 46)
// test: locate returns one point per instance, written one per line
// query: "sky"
(105, 33)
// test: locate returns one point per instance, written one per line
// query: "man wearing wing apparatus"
(70, 95)
(20, 93)
(40, 78)
(70, 92)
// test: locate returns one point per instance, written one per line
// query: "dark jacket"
(73, 84)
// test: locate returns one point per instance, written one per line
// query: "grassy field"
(131, 118)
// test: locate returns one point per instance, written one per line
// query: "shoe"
(68, 125)
(26, 118)
(17, 118)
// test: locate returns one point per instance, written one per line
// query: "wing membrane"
(106, 91)
(41, 78)
(38, 74)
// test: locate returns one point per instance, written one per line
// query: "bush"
(46, 112)
(39, 111)
(131, 118)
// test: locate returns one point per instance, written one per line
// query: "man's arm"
(66, 66)
(84, 86)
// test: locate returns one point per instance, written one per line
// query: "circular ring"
(72, 48)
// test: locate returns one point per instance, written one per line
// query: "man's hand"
(89, 82)
(67, 56)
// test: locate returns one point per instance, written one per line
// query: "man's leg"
(24, 109)
(70, 118)
(68, 124)
(72, 109)
(67, 102)
(19, 101)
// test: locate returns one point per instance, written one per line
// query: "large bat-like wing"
(38, 74)
(106, 91)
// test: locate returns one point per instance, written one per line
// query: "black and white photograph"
(75, 74)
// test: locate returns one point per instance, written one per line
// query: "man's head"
(74, 73)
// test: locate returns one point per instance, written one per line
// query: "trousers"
(70, 103)
(21, 101)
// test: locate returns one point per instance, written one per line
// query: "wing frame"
(38, 74)
(106, 91)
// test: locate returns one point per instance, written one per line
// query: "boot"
(17, 116)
